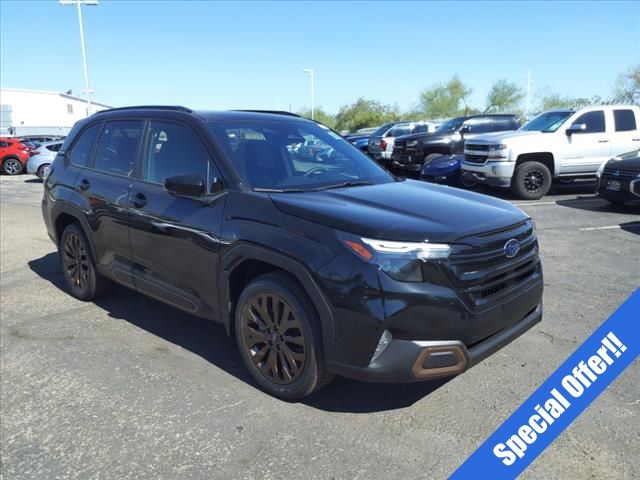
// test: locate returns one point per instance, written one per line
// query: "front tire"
(531, 181)
(78, 266)
(12, 166)
(278, 334)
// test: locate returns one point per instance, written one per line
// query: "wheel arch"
(546, 158)
(245, 262)
(66, 215)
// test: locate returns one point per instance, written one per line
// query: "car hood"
(404, 211)
(501, 136)
(629, 161)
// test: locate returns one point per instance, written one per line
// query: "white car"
(381, 144)
(557, 145)
(39, 163)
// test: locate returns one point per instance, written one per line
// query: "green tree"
(503, 97)
(626, 88)
(446, 100)
(320, 115)
(365, 113)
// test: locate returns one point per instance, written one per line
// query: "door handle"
(84, 185)
(603, 141)
(635, 139)
(139, 200)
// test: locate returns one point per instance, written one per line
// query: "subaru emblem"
(511, 248)
(616, 173)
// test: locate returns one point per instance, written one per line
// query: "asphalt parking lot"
(130, 388)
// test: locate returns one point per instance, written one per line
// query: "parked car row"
(18, 155)
(493, 150)
(555, 145)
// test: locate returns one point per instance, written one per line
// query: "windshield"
(450, 125)
(546, 122)
(378, 132)
(294, 156)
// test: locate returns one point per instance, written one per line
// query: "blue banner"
(560, 399)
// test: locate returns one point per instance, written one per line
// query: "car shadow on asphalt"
(209, 341)
(578, 187)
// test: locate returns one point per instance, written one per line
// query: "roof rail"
(175, 108)
(275, 112)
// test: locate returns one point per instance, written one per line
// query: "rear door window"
(479, 125)
(117, 149)
(625, 120)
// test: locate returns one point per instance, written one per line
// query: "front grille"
(477, 147)
(477, 159)
(635, 187)
(479, 268)
(618, 174)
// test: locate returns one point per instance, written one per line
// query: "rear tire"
(12, 166)
(278, 334)
(531, 181)
(78, 266)
(41, 169)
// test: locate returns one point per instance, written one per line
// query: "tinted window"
(4, 144)
(625, 120)
(55, 147)
(399, 131)
(501, 124)
(174, 149)
(81, 150)
(118, 147)
(593, 120)
(479, 125)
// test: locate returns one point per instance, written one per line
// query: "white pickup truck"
(557, 145)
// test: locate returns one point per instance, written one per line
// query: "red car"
(13, 156)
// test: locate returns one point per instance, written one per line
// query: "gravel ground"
(129, 388)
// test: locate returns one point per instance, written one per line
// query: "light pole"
(313, 93)
(79, 4)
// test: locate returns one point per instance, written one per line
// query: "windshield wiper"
(278, 190)
(351, 183)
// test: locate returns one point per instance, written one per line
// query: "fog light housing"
(385, 339)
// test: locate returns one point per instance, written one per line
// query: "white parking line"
(555, 202)
(610, 227)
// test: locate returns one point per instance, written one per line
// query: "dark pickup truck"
(411, 152)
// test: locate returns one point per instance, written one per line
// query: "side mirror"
(464, 129)
(185, 185)
(217, 185)
(576, 128)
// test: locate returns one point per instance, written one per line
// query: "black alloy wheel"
(533, 181)
(274, 338)
(78, 266)
(75, 262)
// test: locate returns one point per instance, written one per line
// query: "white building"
(33, 112)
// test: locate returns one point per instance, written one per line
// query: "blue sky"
(221, 55)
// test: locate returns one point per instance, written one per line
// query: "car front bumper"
(414, 360)
(493, 174)
(627, 191)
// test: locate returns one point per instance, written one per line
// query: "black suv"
(337, 268)
(411, 152)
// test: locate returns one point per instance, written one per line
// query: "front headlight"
(495, 147)
(402, 261)
(412, 143)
